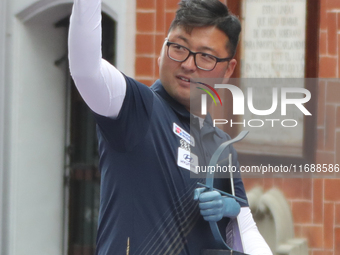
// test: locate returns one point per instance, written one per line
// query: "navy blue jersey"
(147, 204)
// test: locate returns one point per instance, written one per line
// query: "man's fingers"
(198, 192)
(211, 212)
(209, 196)
(211, 204)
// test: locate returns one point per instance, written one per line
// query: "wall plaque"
(273, 47)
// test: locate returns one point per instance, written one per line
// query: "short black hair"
(202, 13)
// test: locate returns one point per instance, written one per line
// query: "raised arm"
(100, 84)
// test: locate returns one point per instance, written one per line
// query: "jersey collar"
(177, 107)
(208, 127)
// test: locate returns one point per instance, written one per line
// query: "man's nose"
(189, 64)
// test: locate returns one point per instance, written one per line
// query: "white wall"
(35, 112)
(3, 125)
(126, 30)
(123, 11)
(36, 139)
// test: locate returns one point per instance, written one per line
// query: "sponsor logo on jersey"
(183, 134)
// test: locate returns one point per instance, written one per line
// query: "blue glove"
(214, 207)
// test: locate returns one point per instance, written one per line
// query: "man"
(147, 204)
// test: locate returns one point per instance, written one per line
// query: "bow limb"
(210, 185)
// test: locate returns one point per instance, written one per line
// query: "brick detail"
(332, 4)
(160, 18)
(301, 211)
(322, 252)
(144, 66)
(328, 67)
(337, 241)
(338, 116)
(332, 38)
(145, 22)
(153, 18)
(320, 139)
(323, 43)
(337, 215)
(321, 103)
(333, 92)
(328, 225)
(330, 128)
(324, 157)
(337, 148)
(171, 4)
(332, 187)
(326, 202)
(145, 4)
(317, 201)
(313, 235)
(145, 44)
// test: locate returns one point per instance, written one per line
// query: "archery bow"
(210, 186)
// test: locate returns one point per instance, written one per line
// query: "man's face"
(176, 76)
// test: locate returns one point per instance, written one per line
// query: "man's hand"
(214, 207)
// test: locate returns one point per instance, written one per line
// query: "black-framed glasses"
(203, 61)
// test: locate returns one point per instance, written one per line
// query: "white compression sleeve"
(100, 84)
(253, 242)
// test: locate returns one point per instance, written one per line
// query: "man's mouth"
(183, 79)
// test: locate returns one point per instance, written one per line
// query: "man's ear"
(159, 60)
(230, 70)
